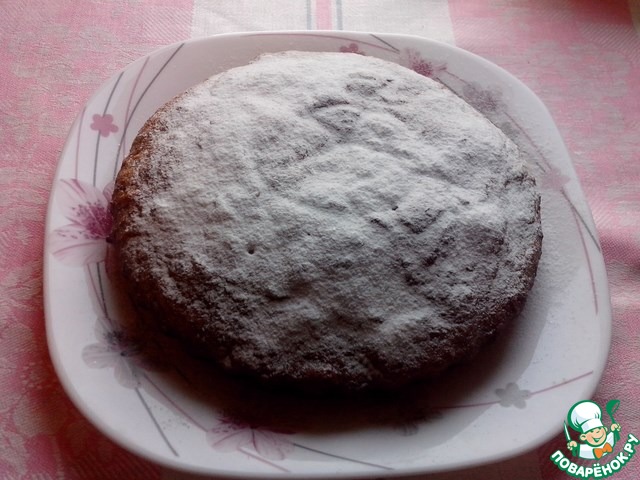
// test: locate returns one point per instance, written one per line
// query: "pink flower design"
(485, 100)
(511, 395)
(117, 350)
(232, 436)
(351, 48)
(415, 62)
(104, 124)
(82, 241)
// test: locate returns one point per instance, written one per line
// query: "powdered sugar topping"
(332, 202)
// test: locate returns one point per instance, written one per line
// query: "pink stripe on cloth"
(324, 14)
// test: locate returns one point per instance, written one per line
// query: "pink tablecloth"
(582, 57)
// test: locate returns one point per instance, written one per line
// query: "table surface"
(581, 57)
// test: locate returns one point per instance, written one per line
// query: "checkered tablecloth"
(581, 57)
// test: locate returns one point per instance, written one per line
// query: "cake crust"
(325, 221)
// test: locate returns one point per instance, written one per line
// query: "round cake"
(326, 221)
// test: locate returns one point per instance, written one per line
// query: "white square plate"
(511, 399)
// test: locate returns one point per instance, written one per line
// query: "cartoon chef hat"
(585, 416)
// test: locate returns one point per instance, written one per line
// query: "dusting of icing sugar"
(356, 209)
